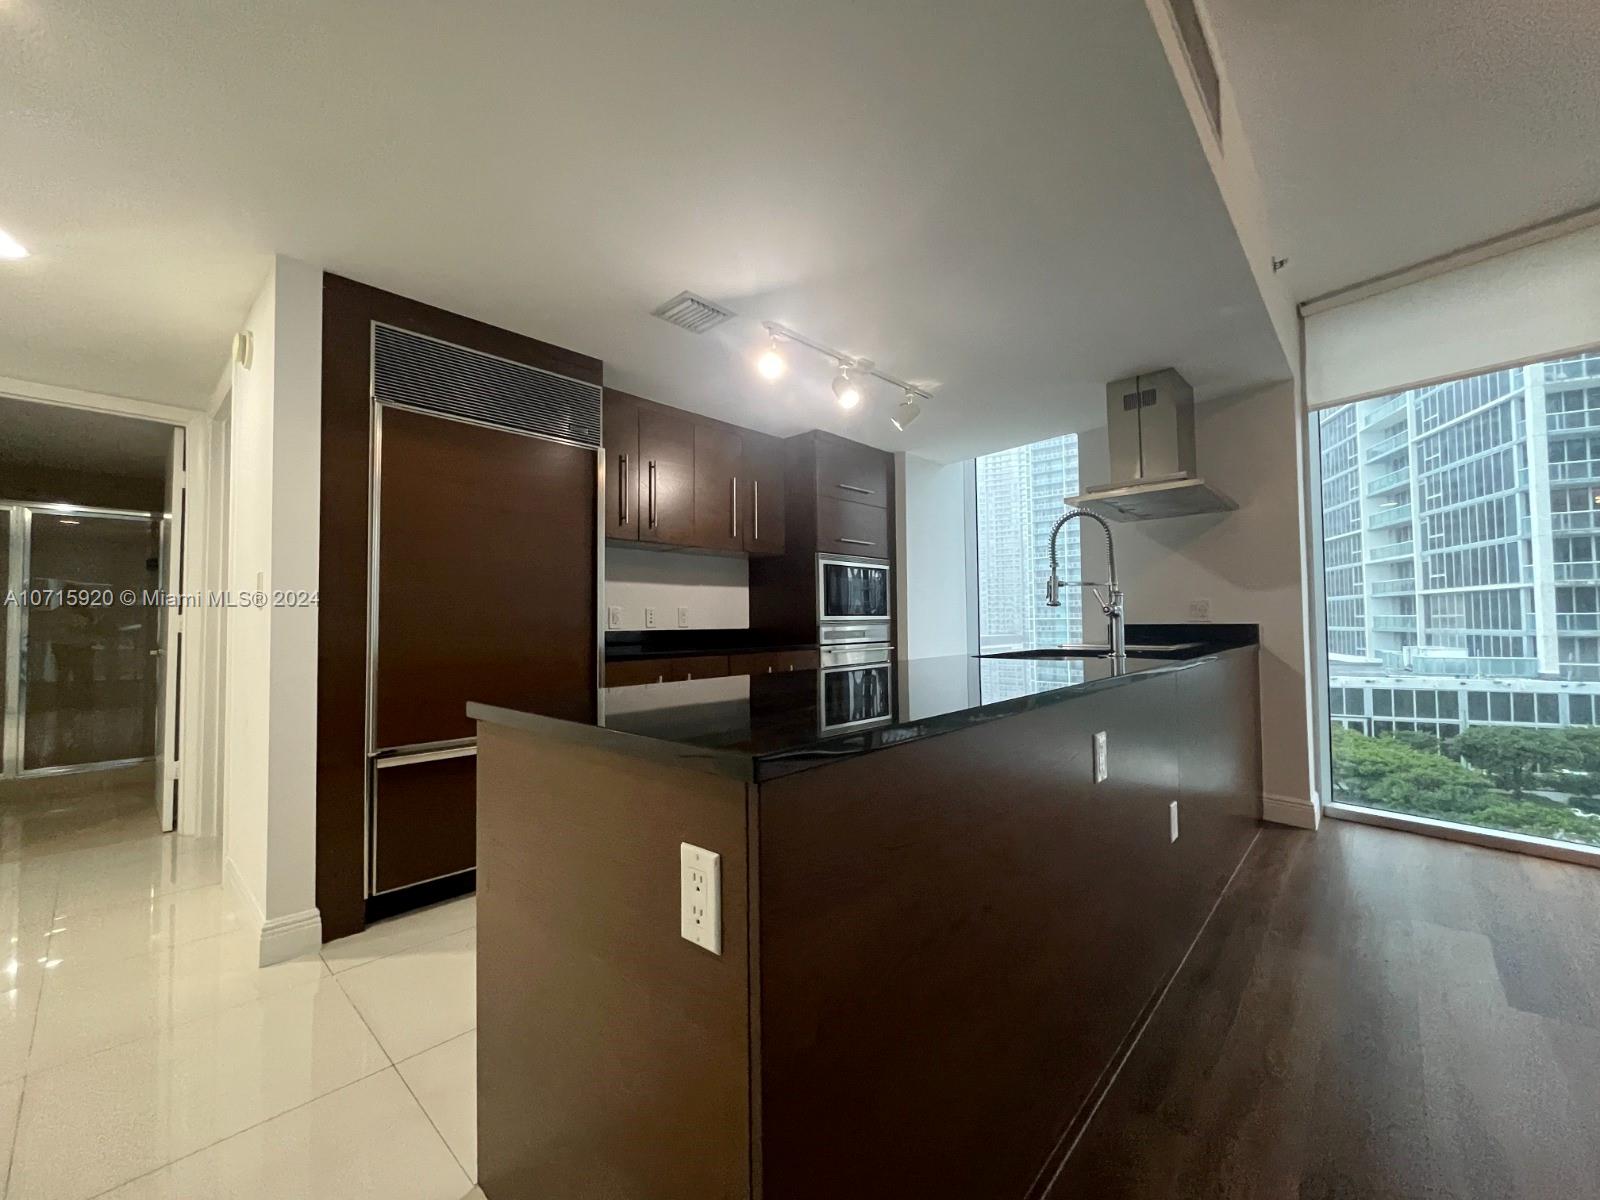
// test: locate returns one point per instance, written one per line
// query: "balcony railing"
(1383, 411)
(1390, 552)
(1390, 482)
(1388, 446)
(1400, 514)
(1395, 624)
(1587, 471)
(1394, 587)
(1569, 522)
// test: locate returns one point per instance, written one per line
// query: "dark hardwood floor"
(1370, 1015)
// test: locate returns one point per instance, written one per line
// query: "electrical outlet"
(1101, 771)
(1200, 609)
(700, 903)
(649, 618)
(1173, 810)
(683, 616)
(614, 616)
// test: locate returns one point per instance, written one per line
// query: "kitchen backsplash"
(714, 590)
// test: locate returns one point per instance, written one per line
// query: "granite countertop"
(764, 726)
(688, 643)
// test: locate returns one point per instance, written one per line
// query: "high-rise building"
(1021, 492)
(1460, 529)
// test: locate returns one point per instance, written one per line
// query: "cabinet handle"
(734, 491)
(652, 493)
(755, 509)
(622, 490)
(860, 491)
(854, 542)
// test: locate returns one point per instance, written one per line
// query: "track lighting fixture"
(772, 364)
(847, 385)
(850, 377)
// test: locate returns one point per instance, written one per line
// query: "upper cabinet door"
(718, 510)
(850, 471)
(666, 476)
(762, 511)
(620, 432)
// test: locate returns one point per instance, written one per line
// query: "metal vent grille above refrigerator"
(424, 374)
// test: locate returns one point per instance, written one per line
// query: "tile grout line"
(423, 1108)
(371, 962)
(22, 1091)
(240, 1132)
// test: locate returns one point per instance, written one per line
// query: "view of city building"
(1021, 492)
(1460, 525)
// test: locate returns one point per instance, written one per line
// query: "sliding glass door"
(83, 640)
(1461, 524)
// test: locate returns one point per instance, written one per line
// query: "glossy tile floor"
(143, 1053)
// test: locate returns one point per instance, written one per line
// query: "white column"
(1544, 574)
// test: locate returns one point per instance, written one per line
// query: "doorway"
(88, 552)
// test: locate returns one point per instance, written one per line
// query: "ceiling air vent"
(1203, 65)
(424, 374)
(691, 312)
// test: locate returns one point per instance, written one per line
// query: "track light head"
(772, 364)
(847, 386)
(907, 411)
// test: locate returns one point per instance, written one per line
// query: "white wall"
(269, 823)
(715, 588)
(933, 585)
(1248, 564)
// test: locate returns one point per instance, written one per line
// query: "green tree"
(1511, 755)
(1583, 749)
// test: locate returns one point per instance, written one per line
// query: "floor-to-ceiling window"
(1461, 523)
(1020, 493)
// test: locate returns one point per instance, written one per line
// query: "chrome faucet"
(1112, 601)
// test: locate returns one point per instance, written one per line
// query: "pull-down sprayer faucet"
(1111, 600)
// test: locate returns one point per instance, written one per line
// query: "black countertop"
(764, 726)
(687, 643)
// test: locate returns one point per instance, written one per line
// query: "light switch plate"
(683, 616)
(614, 616)
(649, 618)
(700, 904)
(1174, 812)
(1101, 771)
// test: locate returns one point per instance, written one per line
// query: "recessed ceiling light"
(10, 247)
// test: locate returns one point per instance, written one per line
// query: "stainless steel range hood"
(1150, 426)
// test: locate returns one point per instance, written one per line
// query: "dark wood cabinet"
(718, 460)
(762, 509)
(630, 671)
(666, 476)
(847, 470)
(845, 527)
(620, 430)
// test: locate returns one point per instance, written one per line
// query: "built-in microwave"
(852, 589)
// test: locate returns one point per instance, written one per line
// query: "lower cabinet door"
(424, 820)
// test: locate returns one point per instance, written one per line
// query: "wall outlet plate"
(649, 618)
(700, 901)
(1101, 771)
(683, 616)
(613, 616)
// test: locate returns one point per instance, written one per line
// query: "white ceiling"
(1005, 202)
(1387, 132)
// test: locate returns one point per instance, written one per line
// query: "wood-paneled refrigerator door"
(486, 575)
(486, 578)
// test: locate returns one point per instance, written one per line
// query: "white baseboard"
(282, 938)
(1291, 810)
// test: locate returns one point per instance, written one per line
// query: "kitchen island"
(938, 931)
